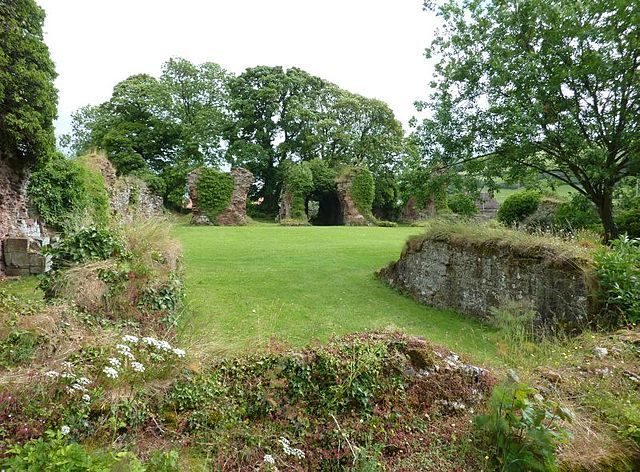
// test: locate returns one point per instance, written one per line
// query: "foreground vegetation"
(85, 386)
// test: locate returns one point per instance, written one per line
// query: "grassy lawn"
(562, 191)
(248, 285)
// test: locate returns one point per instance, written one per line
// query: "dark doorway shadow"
(329, 211)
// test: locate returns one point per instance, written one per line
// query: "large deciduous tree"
(552, 87)
(289, 115)
(160, 127)
(28, 98)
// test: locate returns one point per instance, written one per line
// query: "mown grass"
(249, 285)
(562, 191)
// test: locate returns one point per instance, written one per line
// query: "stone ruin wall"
(129, 197)
(475, 278)
(15, 221)
(236, 213)
(351, 216)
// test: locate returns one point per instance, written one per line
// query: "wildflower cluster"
(135, 354)
(74, 384)
(290, 451)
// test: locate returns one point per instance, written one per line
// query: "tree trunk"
(604, 204)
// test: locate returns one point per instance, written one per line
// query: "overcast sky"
(371, 47)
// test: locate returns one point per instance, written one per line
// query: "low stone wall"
(473, 277)
(22, 257)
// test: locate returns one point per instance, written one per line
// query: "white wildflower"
(114, 362)
(86, 398)
(122, 348)
(78, 387)
(65, 430)
(137, 366)
(268, 459)
(52, 374)
(179, 352)
(128, 338)
(158, 344)
(129, 356)
(67, 365)
(67, 375)
(150, 341)
(290, 451)
(110, 372)
(84, 381)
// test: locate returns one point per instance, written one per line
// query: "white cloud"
(371, 47)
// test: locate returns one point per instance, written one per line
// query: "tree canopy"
(289, 115)
(28, 98)
(548, 87)
(196, 115)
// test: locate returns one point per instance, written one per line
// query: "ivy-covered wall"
(356, 191)
(214, 189)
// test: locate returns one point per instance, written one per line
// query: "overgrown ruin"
(235, 214)
(474, 275)
(129, 197)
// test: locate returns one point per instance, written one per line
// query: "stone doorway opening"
(329, 211)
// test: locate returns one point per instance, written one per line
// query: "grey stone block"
(16, 245)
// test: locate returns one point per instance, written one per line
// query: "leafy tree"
(293, 116)
(548, 87)
(28, 99)
(160, 128)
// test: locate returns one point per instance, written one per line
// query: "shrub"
(89, 244)
(55, 453)
(628, 217)
(518, 206)
(462, 204)
(68, 195)
(522, 428)
(135, 276)
(386, 224)
(298, 181)
(578, 213)
(618, 270)
(214, 192)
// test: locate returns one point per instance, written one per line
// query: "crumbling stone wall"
(236, 213)
(351, 216)
(285, 205)
(474, 277)
(15, 220)
(129, 197)
(22, 256)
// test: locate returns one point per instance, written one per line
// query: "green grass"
(25, 288)
(562, 191)
(247, 285)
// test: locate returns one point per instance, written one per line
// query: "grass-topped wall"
(476, 269)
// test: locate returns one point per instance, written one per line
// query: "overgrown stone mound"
(233, 200)
(476, 269)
